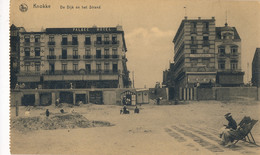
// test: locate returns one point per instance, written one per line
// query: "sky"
(149, 26)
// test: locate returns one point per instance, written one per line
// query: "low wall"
(205, 94)
(236, 93)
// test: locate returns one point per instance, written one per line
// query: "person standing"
(47, 113)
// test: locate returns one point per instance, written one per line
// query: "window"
(114, 51)
(205, 49)
(37, 38)
(37, 51)
(87, 51)
(234, 50)
(98, 53)
(115, 68)
(75, 51)
(98, 67)
(233, 65)
(64, 40)
(51, 51)
(106, 66)
(64, 67)
(52, 67)
(193, 27)
(205, 27)
(27, 52)
(27, 66)
(51, 38)
(205, 40)
(88, 67)
(87, 40)
(27, 38)
(114, 39)
(64, 53)
(193, 51)
(106, 52)
(99, 40)
(106, 39)
(193, 40)
(37, 67)
(75, 67)
(74, 40)
(221, 64)
(221, 51)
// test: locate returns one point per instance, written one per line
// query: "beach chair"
(243, 132)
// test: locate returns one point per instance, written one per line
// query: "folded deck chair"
(243, 132)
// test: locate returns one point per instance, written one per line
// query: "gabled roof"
(220, 29)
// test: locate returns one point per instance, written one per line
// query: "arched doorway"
(128, 98)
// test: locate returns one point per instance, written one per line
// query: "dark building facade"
(14, 53)
(256, 68)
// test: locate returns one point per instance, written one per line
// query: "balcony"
(87, 43)
(98, 43)
(106, 56)
(51, 57)
(87, 56)
(32, 58)
(69, 57)
(51, 43)
(81, 72)
(69, 43)
(26, 44)
(115, 42)
(115, 56)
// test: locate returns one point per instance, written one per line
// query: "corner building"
(62, 58)
(194, 52)
(205, 56)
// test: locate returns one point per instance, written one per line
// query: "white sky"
(149, 26)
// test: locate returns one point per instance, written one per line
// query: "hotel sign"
(80, 30)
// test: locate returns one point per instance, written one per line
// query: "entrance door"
(96, 97)
(66, 97)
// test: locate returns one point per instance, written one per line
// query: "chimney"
(185, 17)
(199, 18)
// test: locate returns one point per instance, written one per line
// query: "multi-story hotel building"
(60, 58)
(206, 55)
(194, 52)
(256, 68)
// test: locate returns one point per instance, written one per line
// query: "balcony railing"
(87, 43)
(115, 56)
(51, 43)
(69, 57)
(31, 57)
(87, 56)
(81, 72)
(69, 43)
(26, 43)
(51, 56)
(106, 56)
(107, 42)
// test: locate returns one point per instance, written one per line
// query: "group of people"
(124, 110)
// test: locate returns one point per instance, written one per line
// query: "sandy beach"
(189, 128)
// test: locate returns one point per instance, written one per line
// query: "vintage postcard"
(102, 77)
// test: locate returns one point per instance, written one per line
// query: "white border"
(4, 77)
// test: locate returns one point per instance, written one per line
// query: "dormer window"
(233, 50)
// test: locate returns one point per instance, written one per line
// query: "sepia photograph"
(110, 77)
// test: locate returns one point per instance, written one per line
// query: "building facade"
(61, 58)
(14, 53)
(256, 68)
(205, 55)
(194, 52)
